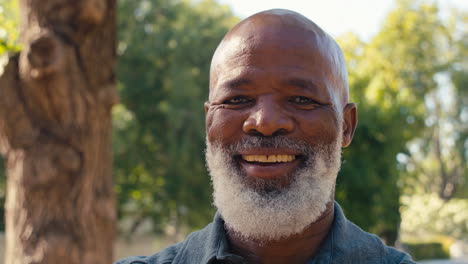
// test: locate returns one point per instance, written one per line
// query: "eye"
(302, 100)
(238, 100)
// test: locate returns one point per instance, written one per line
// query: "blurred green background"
(405, 176)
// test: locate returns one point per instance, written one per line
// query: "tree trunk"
(55, 132)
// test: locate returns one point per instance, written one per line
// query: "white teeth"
(268, 158)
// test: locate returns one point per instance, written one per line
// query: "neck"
(295, 249)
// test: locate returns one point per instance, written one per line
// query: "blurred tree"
(2, 195)
(55, 101)
(389, 79)
(165, 50)
(9, 17)
(427, 216)
(438, 160)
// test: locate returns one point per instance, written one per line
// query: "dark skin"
(277, 73)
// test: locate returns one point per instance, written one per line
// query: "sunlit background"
(405, 176)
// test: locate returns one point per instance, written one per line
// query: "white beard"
(270, 215)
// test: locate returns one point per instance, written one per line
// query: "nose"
(268, 118)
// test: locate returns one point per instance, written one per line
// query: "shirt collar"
(218, 246)
(346, 243)
(209, 244)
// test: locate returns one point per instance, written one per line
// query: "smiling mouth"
(270, 166)
(268, 159)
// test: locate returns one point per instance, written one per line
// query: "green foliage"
(434, 250)
(430, 216)
(388, 79)
(9, 14)
(165, 51)
(437, 161)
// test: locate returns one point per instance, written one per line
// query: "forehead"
(256, 38)
(288, 53)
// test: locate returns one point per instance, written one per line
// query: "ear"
(206, 105)
(350, 120)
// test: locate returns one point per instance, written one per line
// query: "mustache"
(276, 142)
(308, 152)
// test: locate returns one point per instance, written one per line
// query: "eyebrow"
(294, 82)
(301, 83)
(236, 83)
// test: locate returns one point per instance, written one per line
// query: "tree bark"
(55, 132)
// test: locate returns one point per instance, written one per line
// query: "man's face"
(274, 133)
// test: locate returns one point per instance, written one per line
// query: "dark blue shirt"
(346, 243)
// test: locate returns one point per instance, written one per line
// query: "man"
(276, 119)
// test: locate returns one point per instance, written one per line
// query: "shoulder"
(351, 244)
(373, 249)
(165, 256)
(195, 247)
(394, 256)
(370, 247)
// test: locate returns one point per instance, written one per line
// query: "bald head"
(284, 32)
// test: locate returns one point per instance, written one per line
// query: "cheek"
(318, 127)
(224, 126)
